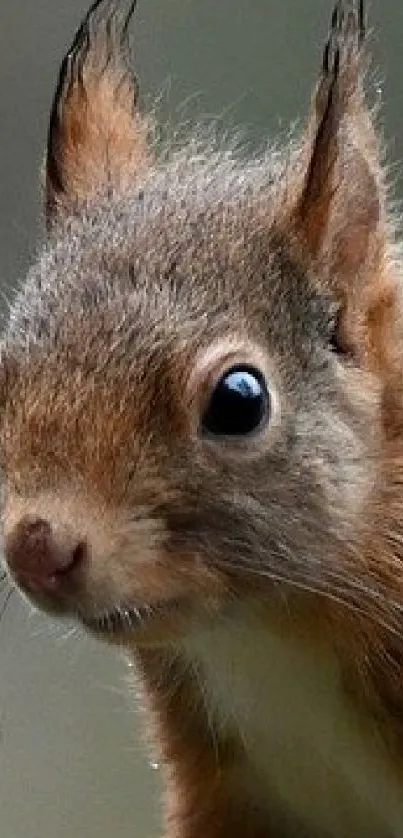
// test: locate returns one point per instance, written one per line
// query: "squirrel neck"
(258, 734)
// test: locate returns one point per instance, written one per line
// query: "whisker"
(375, 596)
(341, 595)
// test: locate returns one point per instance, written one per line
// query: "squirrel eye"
(239, 404)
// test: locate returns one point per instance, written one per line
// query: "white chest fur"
(308, 749)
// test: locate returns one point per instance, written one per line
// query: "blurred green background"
(72, 761)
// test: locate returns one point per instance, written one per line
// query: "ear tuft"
(341, 213)
(97, 141)
(339, 115)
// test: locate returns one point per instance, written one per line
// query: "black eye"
(239, 404)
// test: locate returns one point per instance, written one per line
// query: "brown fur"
(97, 139)
(156, 277)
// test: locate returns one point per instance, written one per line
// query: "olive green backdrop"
(71, 758)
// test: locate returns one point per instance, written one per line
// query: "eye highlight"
(239, 404)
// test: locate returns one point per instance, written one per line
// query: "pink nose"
(41, 560)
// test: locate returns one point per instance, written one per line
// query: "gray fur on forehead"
(190, 246)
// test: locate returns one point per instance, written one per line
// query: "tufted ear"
(97, 141)
(341, 213)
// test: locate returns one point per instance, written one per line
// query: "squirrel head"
(200, 379)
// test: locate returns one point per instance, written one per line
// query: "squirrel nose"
(42, 560)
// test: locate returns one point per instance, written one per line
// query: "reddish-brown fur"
(99, 139)
(159, 273)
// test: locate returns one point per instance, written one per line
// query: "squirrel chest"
(305, 750)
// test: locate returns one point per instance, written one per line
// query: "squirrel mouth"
(122, 619)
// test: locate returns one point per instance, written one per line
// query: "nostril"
(77, 558)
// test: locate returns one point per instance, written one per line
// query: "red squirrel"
(202, 440)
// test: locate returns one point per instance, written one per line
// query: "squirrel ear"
(341, 210)
(97, 141)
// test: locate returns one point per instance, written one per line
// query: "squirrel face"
(124, 431)
(200, 377)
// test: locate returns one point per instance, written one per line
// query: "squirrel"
(201, 388)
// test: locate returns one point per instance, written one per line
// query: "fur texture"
(257, 581)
